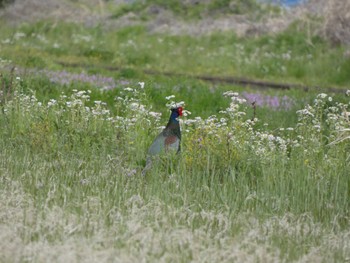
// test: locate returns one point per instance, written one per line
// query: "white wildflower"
(239, 100)
(170, 97)
(322, 95)
(286, 56)
(128, 89)
(51, 103)
(80, 93)
(19, 35)
(240, 113)
(305, 112)
(271, 137)
(317, 127)
(173, 104)
(6, 41)
(56, 45)
(190, 121)
(142, 84)
(156, 115)
(77, 102)
(230, 94)
(186, 113)
(134, 106)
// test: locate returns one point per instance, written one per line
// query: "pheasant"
(168, 140)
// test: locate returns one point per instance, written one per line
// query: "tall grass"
(267, 182)
(239, 191)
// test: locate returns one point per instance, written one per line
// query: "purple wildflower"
(274, 102)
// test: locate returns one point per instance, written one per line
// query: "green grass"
(284, 57)
(75, 172)
(272, 189)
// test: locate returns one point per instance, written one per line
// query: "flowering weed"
(78, 163)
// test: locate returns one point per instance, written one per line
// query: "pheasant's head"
(176, 112)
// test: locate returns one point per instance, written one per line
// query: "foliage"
(5, 2)
(191, 10)
(80, 156)
(263, 176)
(284, 57)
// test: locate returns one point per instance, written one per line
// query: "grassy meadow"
(262, 182)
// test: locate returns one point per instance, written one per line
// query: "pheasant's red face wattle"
(180, 111)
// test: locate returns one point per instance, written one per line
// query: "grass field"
(263, 184)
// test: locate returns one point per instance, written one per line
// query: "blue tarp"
(285, 2)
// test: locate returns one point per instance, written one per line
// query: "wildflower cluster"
(273, 102)
(60, 124)
(220, 141)
(231, 138)
(323, 116)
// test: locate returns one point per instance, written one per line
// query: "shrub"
(5, 2)
(337, 22)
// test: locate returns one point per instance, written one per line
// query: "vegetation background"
(264, 172)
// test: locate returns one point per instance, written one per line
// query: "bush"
(337, 23)
(4, 2)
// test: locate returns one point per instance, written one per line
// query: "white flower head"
(238, 100)
(135, 106)
(155, 115)
(173, 104)
(190, 121)
(230, 94)
(322, 95)
(128, 89)
(51, 103)
(186, 113)
(170, 97)
(142, 84)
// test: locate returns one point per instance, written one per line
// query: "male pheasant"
(168, 140)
